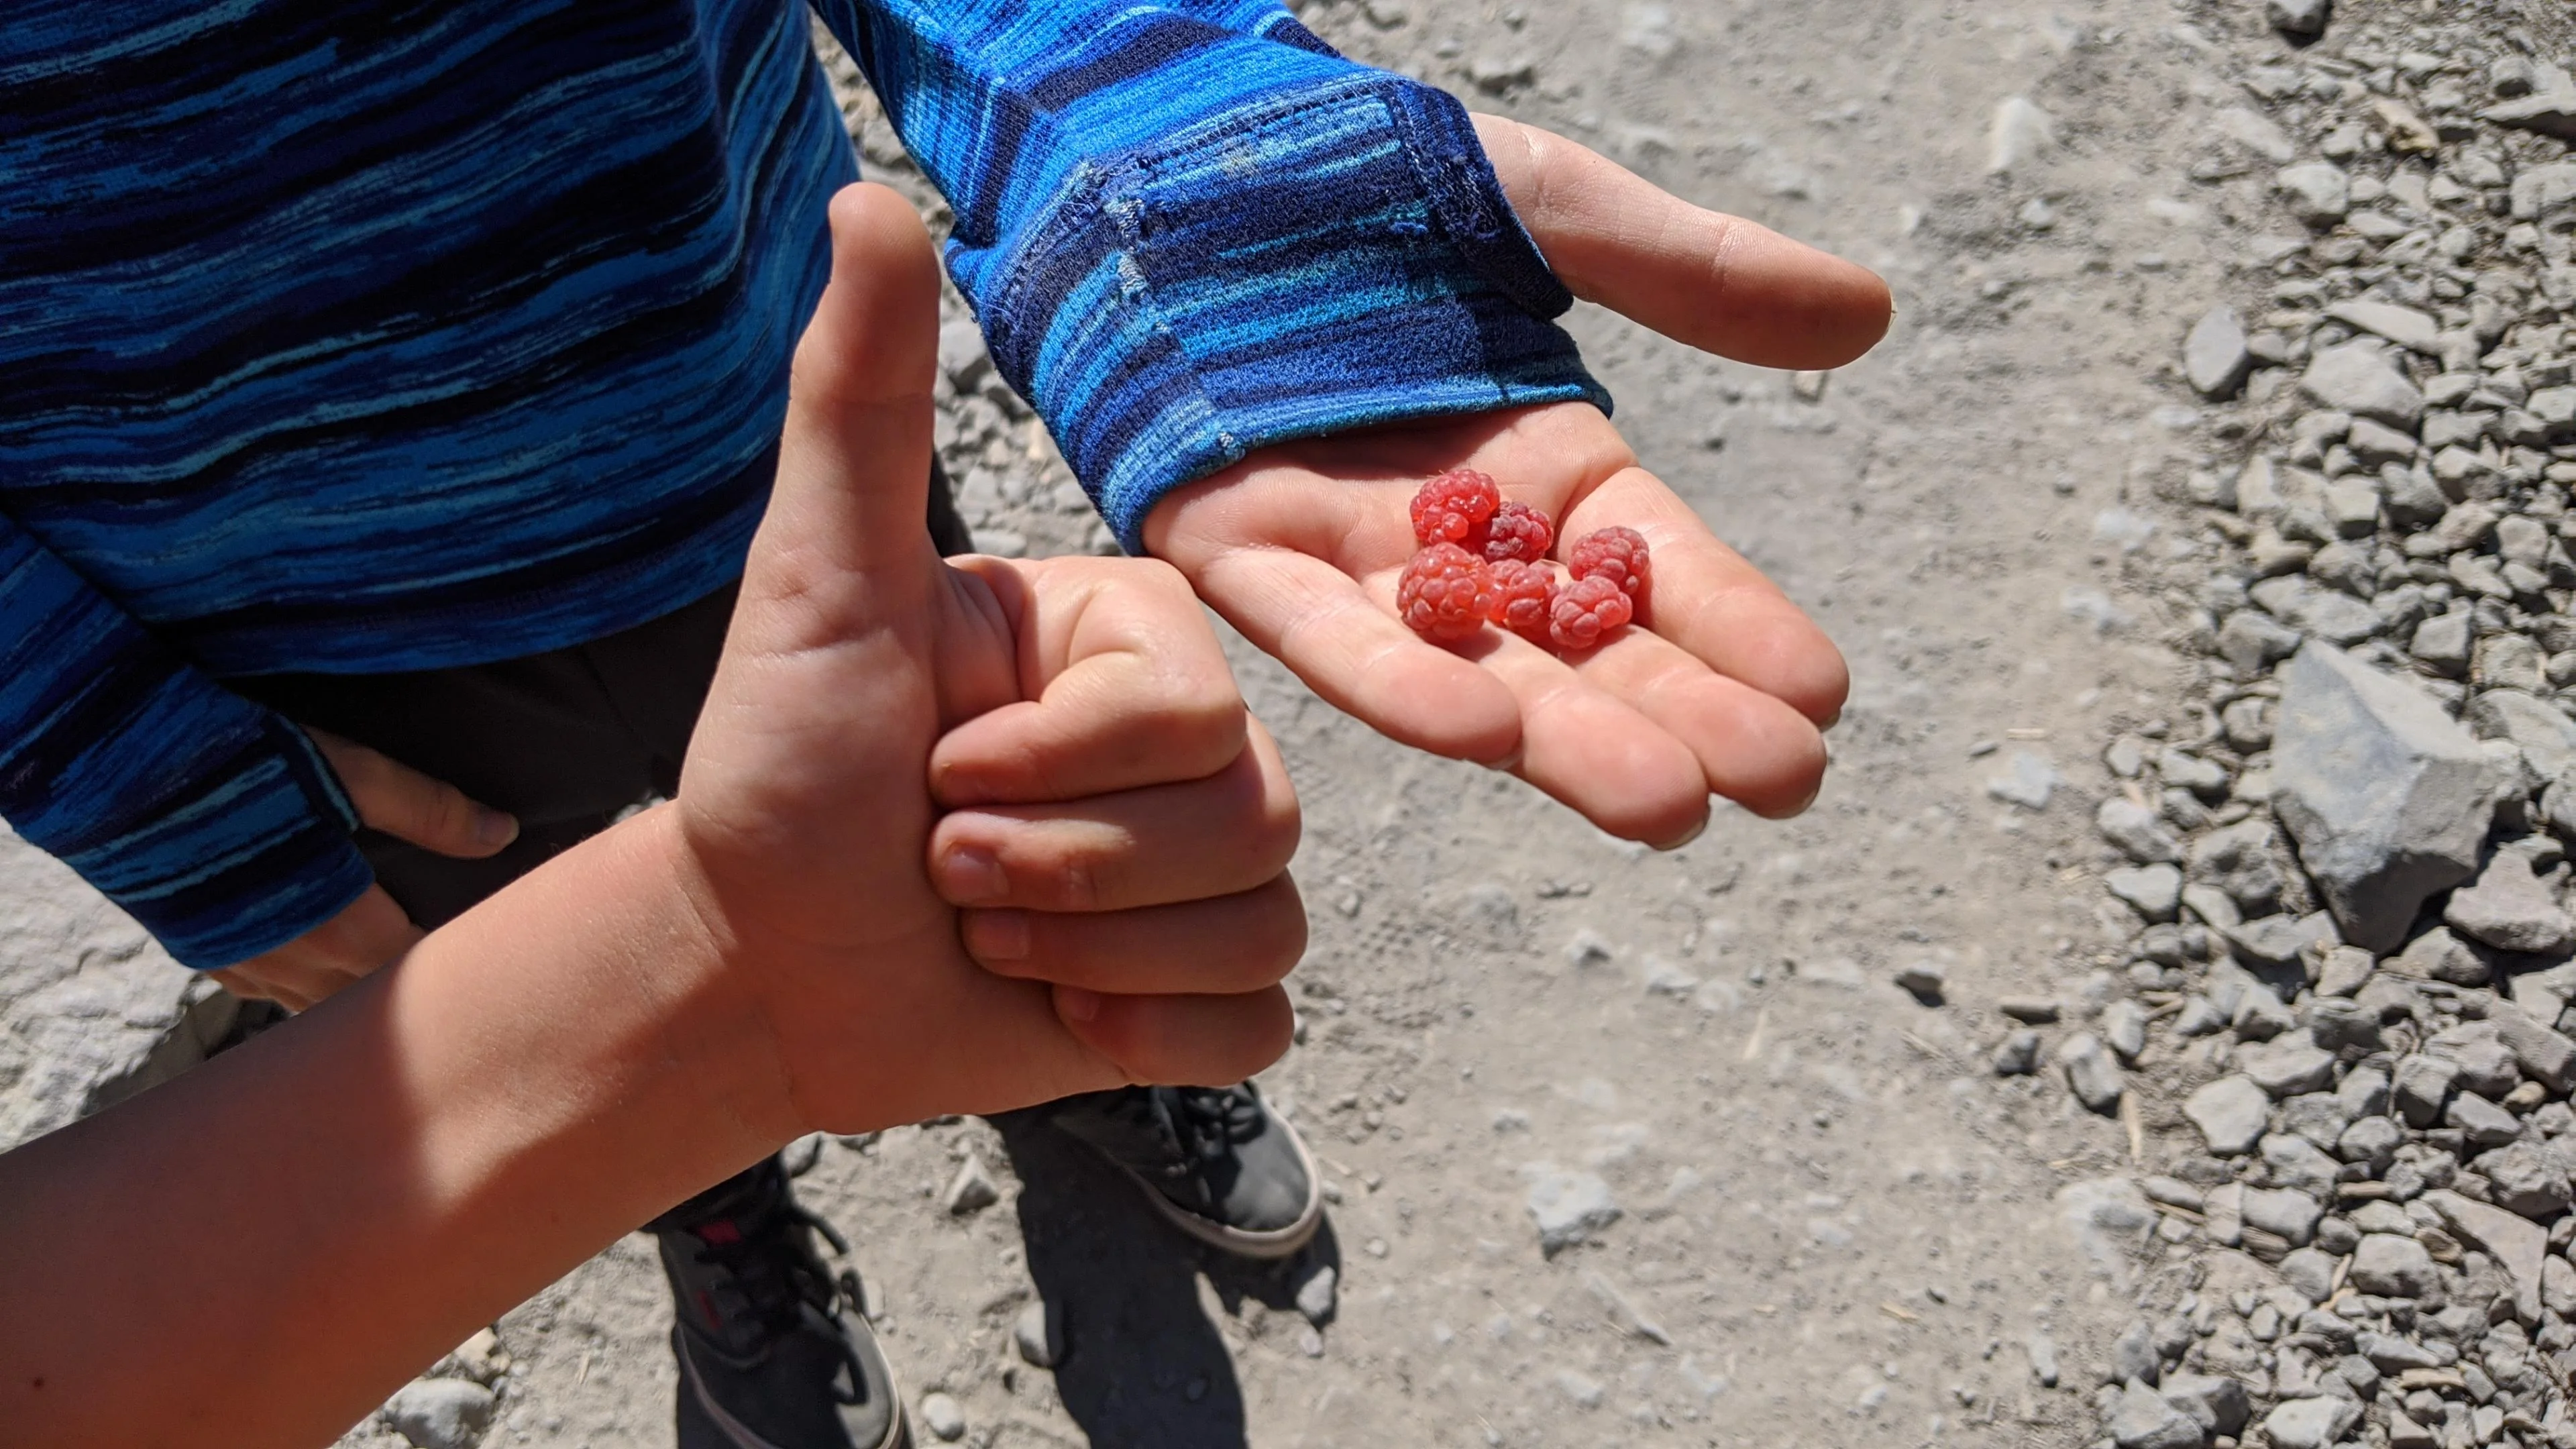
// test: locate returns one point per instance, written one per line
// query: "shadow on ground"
(1143, 1366)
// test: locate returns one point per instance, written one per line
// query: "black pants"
(564, 740)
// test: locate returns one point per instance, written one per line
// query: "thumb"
(1718, 283)
(844, 537)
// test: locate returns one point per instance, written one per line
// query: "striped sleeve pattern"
(374, 335)
(1191, 230)
(174, 796)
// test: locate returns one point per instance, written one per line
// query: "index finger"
(1123, 686)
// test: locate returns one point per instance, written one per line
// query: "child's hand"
(1722, 691)
(806, 827)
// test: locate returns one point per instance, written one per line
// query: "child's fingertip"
(1076, 1005)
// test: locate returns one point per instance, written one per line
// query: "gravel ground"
(1836, 1221)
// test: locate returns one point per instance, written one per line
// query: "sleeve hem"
(1332, 257)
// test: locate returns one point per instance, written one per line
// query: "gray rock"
(2389, 1266)
(2215, 359)
(2552, 113)
(2523, 1179)
(2136, 831)
(2283, 1212)
(2030, 1010)
(2300, 19)
(2372, 1141)
(2546, 737)
(1039, 1334)
(2153, 891)
(972, 1190)
(440, 1413)
(2173, 1192)
(2517, 1243)
(2508, 908)
(2320, 1117)
(2358, 378)
(2394, 1355)
(2337, 1024)
(2292, 1161)
(2251, 639)
(2131, 1354)
(1568, 1207)
(2507, 661)
(2318, 1423)
(1924, 979)
(2486, 1065)
(2043, 1357)
(1318, 1295)
(2544, 1055)
(2231, 1114)
(2124, 1028)
(2029, 781)
(2421, 1087)
(2318, 193)
(2558, 1286)
(2091, 1072)
(2215, 1402)
(2309, 1271)
(2108, 1218)
(2411, 329)
(2483, 1122)
(2437, 955)
(2442, 642)
(2387, 797)
(2019, 1054)
(2280, 940)
(2260, 1016)
(2288, 1065)
(944, 1417)
(2144, 1419)
(961, 353)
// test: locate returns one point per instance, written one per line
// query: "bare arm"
(764, 956)
(447, 1136)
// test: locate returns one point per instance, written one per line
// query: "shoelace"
(781, 1282)
(1210, 1120)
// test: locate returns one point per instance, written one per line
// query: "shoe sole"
(1260, 1246)
(898, 1434)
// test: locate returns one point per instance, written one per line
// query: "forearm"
(391, 1171)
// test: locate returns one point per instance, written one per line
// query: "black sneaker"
(1215, 1160)
(774, 1353)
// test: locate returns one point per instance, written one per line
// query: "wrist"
(717, 1026)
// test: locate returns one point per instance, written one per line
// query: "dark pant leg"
(566, 741)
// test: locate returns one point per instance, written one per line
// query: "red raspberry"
(1454, 506)
(1517, 531)
(1584, 612)
(1617, 554)
(1521, 592)
(1445, 594)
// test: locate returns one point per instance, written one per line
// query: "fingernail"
(1510, 762)
(968, 877)
(997, 935)
(495, 828)
(1694, 833)
(1075, 1004)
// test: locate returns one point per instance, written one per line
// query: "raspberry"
(1445, 593)
(1454, 506)
(1582, 613)
(1517, 531)
(1521, 592)
(1617, 554)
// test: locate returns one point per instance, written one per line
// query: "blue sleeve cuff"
(1332, 254)
(214, 823)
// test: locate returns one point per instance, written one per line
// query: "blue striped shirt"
(361, 335)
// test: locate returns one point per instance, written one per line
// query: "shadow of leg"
(1142, 1364)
